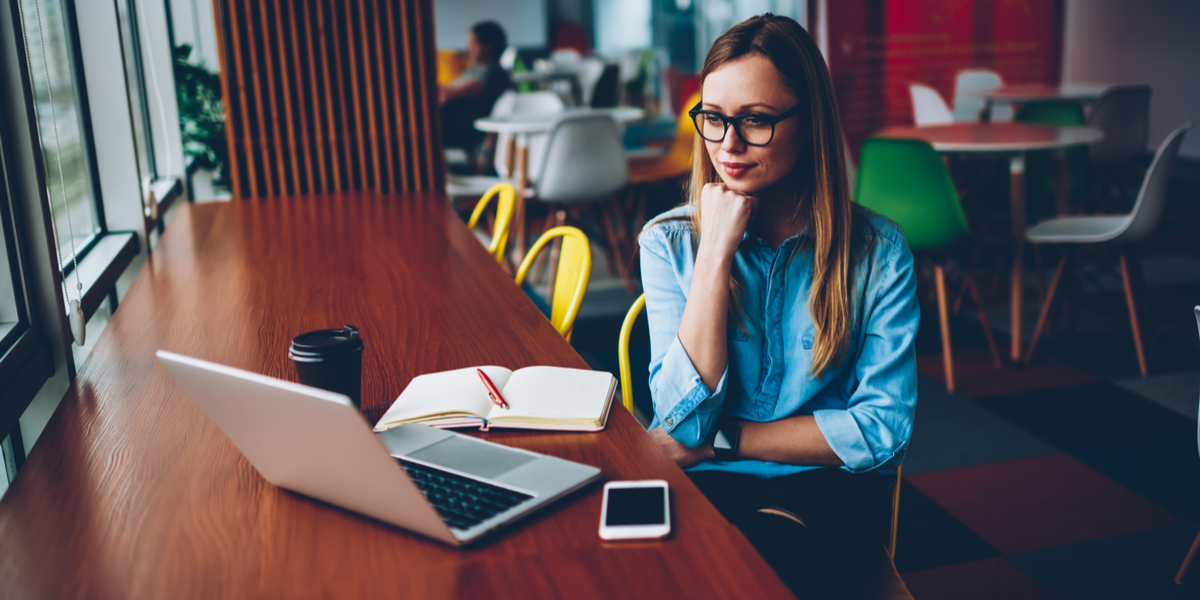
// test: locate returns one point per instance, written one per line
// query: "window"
(60, 105)
(135, 81)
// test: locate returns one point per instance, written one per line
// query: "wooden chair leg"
(944, 318)
(999, 276)
(962, 287)
(617, 238)
(539, 262)
(983, 319)
(1046, 305)
(560, 219)
(1133, 318)
(1187, 561)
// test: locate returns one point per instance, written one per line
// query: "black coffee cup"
(330, 359)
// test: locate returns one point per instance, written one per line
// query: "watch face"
(721, 442)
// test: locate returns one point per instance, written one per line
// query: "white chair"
(589, 74)
(509, 104)
(1123, 114)
(585, 164)
(1191, 555)
(508, 58)
(928, 106)
(969, 104)
(1119, 231)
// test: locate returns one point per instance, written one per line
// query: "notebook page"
(457, 391)
(555, 393)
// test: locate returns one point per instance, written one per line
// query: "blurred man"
(472, 95)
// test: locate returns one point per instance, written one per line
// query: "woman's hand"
(684, 456)
(724, 217)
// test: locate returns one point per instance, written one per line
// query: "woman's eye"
(712, 119)
(754, 121)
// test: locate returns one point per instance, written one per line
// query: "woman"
(782, 318)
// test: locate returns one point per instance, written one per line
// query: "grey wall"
(1154, 42)
(523, 20)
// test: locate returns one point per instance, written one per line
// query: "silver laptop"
(449, 487)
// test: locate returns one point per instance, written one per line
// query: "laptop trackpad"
(484, 460)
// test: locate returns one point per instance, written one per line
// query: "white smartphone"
(635, 510)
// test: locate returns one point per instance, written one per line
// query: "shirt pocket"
(736, 335)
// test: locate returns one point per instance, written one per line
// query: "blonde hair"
(823, 201)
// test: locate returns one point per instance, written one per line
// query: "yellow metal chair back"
(574, 272)
(623, 351)
(504, 211)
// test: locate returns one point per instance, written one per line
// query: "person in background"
(782, 320)
(472, 95)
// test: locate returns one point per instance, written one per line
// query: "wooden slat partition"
(329, 95)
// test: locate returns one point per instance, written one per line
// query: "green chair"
(907, 182)
(1039, 164)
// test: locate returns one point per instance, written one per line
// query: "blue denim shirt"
(864, 407)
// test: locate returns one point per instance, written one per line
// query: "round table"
(1012, 140)
(521, 126)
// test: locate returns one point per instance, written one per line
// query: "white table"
(1012, 140)
(520, 127)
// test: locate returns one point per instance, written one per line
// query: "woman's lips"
(736, 170)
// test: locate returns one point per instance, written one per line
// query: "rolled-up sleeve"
(683, 405)
(874, 429)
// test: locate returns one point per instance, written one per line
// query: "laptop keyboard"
(461, 501)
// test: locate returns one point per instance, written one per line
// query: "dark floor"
(1073, 477)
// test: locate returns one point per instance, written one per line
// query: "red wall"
(878, 47)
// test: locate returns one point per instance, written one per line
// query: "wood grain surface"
(132, 492)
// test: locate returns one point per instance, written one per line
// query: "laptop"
(446, 486)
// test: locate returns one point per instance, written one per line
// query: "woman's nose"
(732, 142)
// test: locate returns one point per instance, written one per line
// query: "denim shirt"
(864, 406)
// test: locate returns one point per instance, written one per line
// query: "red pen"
(492, 391)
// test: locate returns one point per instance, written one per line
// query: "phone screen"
(635, 506)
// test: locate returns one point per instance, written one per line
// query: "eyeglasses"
(754, 129)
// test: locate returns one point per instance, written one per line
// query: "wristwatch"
(725, 443)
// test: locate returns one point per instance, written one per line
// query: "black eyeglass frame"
(727, 121)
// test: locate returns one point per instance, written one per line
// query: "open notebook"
(538, 398)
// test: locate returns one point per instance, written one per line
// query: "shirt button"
(670, 421)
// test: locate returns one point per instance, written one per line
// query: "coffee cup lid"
(325, 343)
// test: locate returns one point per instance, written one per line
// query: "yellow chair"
(627, 400)
(450, 64)
(504, 211)
(623, 352)
(574, 272)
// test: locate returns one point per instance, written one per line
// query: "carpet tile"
(1040, 502)
(1137, 567)
(1089, 416)
(990, 579)
(928, 537)
(1173, 482)
(951, 431)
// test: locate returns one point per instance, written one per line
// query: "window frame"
(26, 359)
(139, 66)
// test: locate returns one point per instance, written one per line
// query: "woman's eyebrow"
(742, 109)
